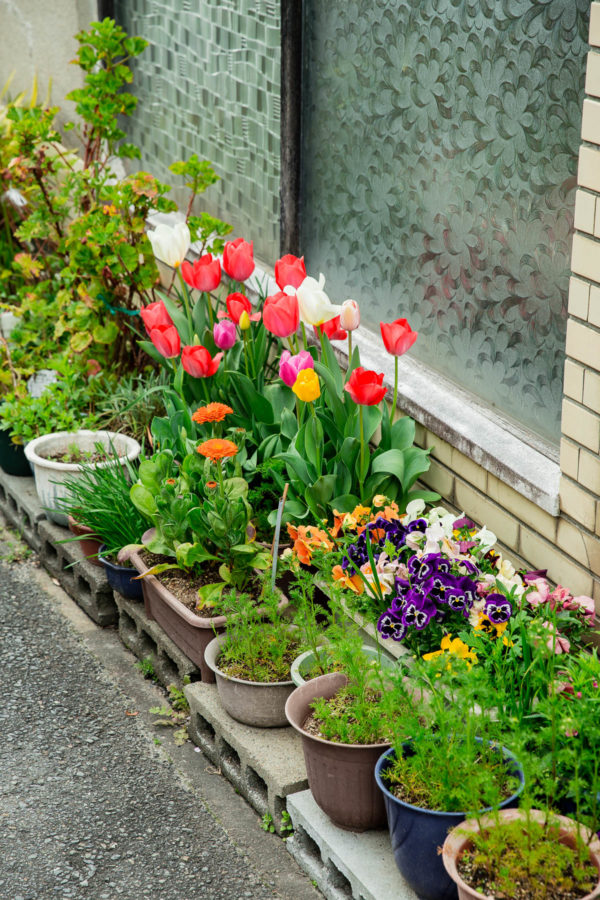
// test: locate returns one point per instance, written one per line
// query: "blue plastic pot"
(417, 833)
(121, 578)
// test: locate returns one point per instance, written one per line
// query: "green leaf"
(80, 341)
(391, 462)
(255, 404)
(210, 594)
(313, 442)
(321, 492)
(289, 424)
(143, 500)
(235, 488)
(416, 462)
(345, 502)
(371, 420)
(403, 433)
(188, 555)
(106, 334)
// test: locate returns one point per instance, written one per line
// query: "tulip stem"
(250, 354)
(246, 354)
(349, 348)
(362, 450)
(395, 400)
(298, 412)
(208, 301)
(321, 338)
(304, 336)
(186, 303)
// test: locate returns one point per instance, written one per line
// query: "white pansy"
(415, 508)
(414, 539)
(437, 513)
(170, 243)
(314, 304)
(485, 538)
(506, 569)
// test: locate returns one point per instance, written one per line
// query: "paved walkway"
(90, 806)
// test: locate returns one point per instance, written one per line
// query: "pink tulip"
(224, 334)
(289, 365)
(166, 340)
(397, 336)
(350, 315)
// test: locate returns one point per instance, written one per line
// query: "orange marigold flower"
(211, 485)
(213, 412)
(217, 448)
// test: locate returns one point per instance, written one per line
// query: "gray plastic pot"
(252, 702)
(340, 776)
(303, 664)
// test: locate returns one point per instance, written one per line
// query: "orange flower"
(213, 412)
(352, 582)
(307, 538)
(217, 448)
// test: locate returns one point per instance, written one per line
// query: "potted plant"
(445, 761)
(101, 512)
(543, 853)
(202, 526)
(252, 660)
(59, 457)
(344, 725)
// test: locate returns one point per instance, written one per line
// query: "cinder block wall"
(568, 545)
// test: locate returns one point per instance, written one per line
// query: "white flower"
(170, 243)
(438, 512)
(414, 539)
(15, 197)
(386, 572)
(414, 509)
(485, 538)
(314, 304)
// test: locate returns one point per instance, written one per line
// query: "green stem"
(362, 450)
(219, 464)
(350, 348)
(298, 413)
(395, 400)
(321, 338)
(246, 355)
(249, 354)
(304, 336)
(186, 303)
(208, 301)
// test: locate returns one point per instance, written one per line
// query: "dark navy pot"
(416, 834)
(121, 578)
(12, 457)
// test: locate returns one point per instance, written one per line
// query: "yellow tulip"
(306, 387)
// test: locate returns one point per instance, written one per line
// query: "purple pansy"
(498, 608)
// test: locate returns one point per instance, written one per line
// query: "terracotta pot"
(340, 776)
(457, 842)
(256, 703)
(190, 632)
(90, 546)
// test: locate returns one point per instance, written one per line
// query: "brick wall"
(568, 545)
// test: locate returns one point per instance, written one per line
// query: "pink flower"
(197, 361)
(584, 603)
(350, 315)
(540, 594)
(204, 274)
(559, 595)
(289, 365)
(155, 315)
(224, 334)
(556, 641)
(238, 259)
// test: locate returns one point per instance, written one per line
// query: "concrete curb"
(264, 764)
(21, 506)
(343, 863)
(147, 640)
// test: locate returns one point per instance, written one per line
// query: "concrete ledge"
(147, 640)
(264, 764)
(85, 583)
(342, 863)
(21, 507)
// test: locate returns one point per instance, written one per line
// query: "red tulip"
(204, 274)
(166, 340)
(236, 305)
(198, 362)
(365, 387)
(398, 336)
(289, 270)
(332, 330)
(238, 259)
(281, 315)
(155, 315)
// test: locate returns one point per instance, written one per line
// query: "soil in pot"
(494, 863)
(265, 671)
(337, 708)
(74, 454)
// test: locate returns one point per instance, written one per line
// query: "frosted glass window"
(209, 84)
(439, 161)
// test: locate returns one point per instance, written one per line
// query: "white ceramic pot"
(51, 475)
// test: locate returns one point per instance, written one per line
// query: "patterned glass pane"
(440, 149)
(209, 84)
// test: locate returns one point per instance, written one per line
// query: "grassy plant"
(131, 405)
(146, 667)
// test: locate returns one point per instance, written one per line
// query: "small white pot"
(51, 475)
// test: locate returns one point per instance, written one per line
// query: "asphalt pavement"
(96, 802)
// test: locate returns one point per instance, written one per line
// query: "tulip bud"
(350, 315)
(244, 321)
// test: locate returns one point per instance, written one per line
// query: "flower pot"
(12, 457)
(457, 842)
(340, 776)
(51, 475)
(261, 704)
(303, 664)
(121, 578)
(417, 834)
(90, 545)
(190, 632)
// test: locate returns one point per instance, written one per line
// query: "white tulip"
(314, 304)
(170, 243)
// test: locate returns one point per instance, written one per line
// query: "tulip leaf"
(289, 424)
(362, 465)
(319, 494)
(416, 462)
(331, 395)
(280, 398)
(403, 433)
(345, 502)
(179, 319)
(371, 420)
(297, 463)
(313, 442)
(256, 406)
(390, 462)
(332, 365)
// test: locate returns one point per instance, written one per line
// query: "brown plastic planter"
(255, 703)
(90, 546)
(340, 776)
(457, 842)
(190, 632)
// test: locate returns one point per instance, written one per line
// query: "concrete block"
(342, 863)
(147, 640)
(84, 582)
(21, 506)
(263, 764)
